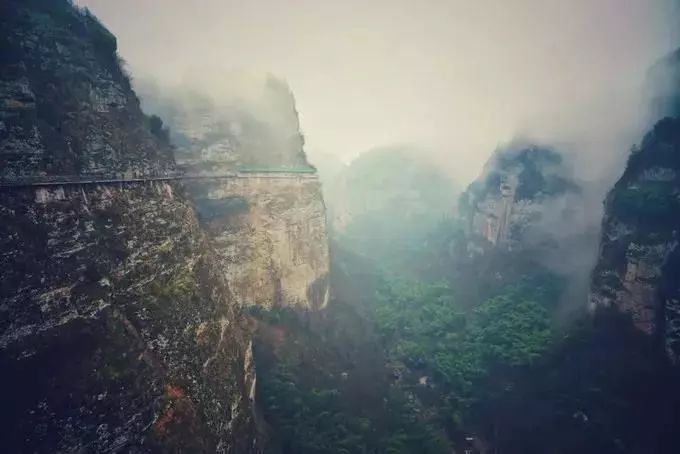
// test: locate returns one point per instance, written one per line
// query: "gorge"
(176, 277)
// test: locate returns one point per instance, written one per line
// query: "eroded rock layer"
(268, 233)
(118, 332)
(267, 223)
(523, 193)
(66, 104)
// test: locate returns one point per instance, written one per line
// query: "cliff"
(67, 105)
(268, 233)
(522, 190)
(118, 331)
(267, 227)
(638, 270)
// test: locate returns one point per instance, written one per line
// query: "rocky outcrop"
(118, 332)
(638, 271)
(268, 232)
(527, 215)
(267, 227)
(522, 199)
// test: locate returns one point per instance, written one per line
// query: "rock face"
(267, 227)
(525, 215)
(638, 271)
(522, 195)
(118, 332)
(67, 107)
(268, 233)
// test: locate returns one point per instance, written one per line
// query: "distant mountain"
(388, 199)
(522, 188)
(329, 166)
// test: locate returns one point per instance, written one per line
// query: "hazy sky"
(458, 76)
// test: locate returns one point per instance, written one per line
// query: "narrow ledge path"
(92, 180)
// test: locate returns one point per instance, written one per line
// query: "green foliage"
(317, 419)
(425, 327)
(102, 38)
(510, 329)
(310, 420)
(586, 394)
(318, 400)
(161, 132)
(178, 287)
(538, 174)
(54, 17)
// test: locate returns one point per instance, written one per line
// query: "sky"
(454, 77)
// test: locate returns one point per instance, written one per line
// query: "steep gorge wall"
(118, 332)
(269, 236)
(638, 270)
(267, 228)
(525, 196)
(67, 106)
(528, 214)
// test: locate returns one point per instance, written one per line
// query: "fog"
(456, 77)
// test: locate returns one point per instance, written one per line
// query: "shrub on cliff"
(158, 129)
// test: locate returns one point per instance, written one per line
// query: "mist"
(454, 77)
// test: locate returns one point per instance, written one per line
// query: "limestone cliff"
(67, 106)
(525, 215)
(118, 332)
(523, 191)
(638, 271)
(268, 232)
(267, 226)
